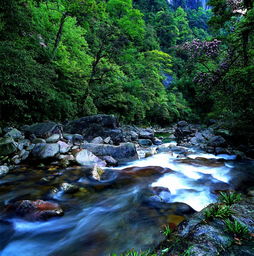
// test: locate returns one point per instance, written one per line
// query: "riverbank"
(93, 206)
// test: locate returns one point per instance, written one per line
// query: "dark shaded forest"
(147, 62)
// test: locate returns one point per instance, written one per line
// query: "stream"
(116, 214)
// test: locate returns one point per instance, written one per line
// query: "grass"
(237, 229)
(218, 211)
(135, 253)
(167, 231)
(229, 198)
(187, 252)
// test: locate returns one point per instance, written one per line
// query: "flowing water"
(113, 216)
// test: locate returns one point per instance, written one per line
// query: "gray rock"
(15, 134)
(208, 133)
(98, 140)
(87, 158)
(146, 134)
(66, 157)
(30, 147)
(3, 170)
(77, 138)
(23, 144)
(157, 141)
(7, 146)
(67, 136)
(43, 130)
(44, 151)
(110, 160)
(97, 173)
(16, 159)
(64, 147)
(7, 129)
(145, 142)
(219, 150)
(24, 154)
(81, 125)
(68, 188)
(217, 141)
(182, 124)
(38, 140)
(53, 138)
(107, 140)
(122, 153)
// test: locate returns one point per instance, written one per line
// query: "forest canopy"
(145, 61)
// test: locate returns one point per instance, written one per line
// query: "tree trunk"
(59, 35)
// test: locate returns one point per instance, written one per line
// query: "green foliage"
(188, 252)
(136, 253)
(167, 231)
(237, 229)
(218, 211)
(229, 198)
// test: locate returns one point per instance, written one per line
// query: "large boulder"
(42, 130)
(81, 125)
(87, 158)
(121, 153)
(44, 151)
(7, 146)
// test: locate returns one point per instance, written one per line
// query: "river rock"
(23, 144)
(15, 134)
(98, 140)
(16, 159)
(53, 138)
(201, 161)
(87, 158)
(68, 188)
(145, 142)
(43, 130)
(182, 124)
(64, 147)
(3, 170)
(122, 153)
(80, 125)
(24, 154)
(157, 141)
(145, 171)
(35, 210)
(110, 160)
(158, 195)
(38, 140)
(45, 150)
(217, 141)
(107, 140)
(97, 172)
(146, 134)
(7, 146)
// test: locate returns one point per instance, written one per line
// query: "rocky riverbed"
(93, 187)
